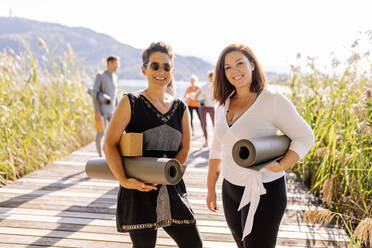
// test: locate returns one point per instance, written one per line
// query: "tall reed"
(44, 115)
(338, 168)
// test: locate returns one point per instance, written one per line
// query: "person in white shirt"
(254, 201)
(207, 104)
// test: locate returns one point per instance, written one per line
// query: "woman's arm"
(119, 122)
(186, 92)
(197, 94)
(290, 122)
(185, 142)
(290, 158)
(214, 165)
(214, 170)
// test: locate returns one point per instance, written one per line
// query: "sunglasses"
(156, 66)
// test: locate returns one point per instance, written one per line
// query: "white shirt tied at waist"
(252, 193)
(251, 180)
(270, 113)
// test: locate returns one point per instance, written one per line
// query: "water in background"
(128, 85)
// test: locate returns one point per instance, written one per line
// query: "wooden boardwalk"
(59, 206)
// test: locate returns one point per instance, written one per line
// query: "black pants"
(267, 218)
(191, 109)
(186, 236)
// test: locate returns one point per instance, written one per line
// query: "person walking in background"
(253, 201)
(207, 104)
(164, 122)
(105, 97)
(190, 99)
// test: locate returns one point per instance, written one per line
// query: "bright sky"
(276, 30)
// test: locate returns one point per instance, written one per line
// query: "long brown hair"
(222, 88)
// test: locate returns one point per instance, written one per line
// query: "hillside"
(90, 47)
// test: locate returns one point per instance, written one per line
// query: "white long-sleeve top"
(206, 93)
(269, 114)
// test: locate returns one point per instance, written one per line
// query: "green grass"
(41, 120)
(338, 168)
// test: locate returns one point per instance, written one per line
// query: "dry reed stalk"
(364, 231)
(328, 189)
(321, 216)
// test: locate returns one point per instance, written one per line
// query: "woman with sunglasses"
(164, 122)
(254, 201)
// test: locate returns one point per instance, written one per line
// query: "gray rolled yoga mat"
(104, 98)
(259, 152)
(145, 169)
(101, 96)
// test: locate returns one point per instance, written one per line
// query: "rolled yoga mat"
(101, 96)
(259, 152)
(146, 169)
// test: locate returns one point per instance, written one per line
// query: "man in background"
(105, 98)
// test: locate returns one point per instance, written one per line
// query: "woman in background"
(190, 99)
(207, 104)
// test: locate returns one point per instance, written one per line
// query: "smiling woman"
(254, 201)
(143, 208)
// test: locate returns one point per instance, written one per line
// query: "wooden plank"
(22, 246)
(204, 225)
(8, 240)
(114, 196)
(119, 238)
(108, 220)
(103, 206)
(205, 236)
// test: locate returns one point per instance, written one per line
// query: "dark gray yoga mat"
(259, 152)
(145, 169)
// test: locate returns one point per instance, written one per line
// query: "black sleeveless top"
(162, 135)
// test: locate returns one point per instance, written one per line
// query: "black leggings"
(191, 109)
(186, 236)
(267, 218)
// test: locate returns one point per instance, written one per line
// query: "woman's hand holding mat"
(132, 183)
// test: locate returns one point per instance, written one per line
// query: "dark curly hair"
(157, 47)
